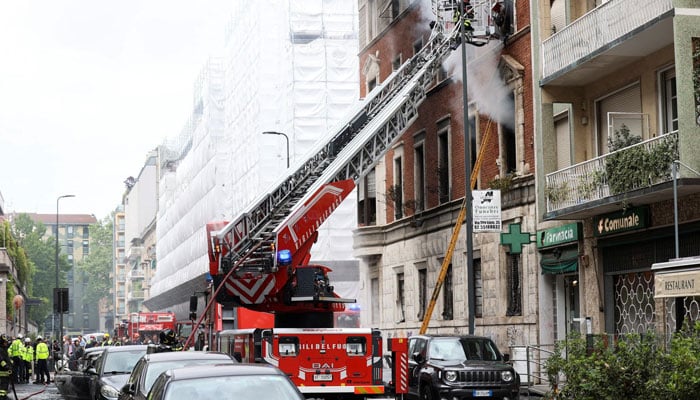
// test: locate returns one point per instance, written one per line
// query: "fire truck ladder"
(349, 154)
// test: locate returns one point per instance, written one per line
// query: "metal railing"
(588, 181)
(529, 362)
(599, 27)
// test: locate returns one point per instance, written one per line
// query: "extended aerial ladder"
(243, 253)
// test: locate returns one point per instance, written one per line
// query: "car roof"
(136, 347)
(430, 336)
(210, 371)
(186, 355)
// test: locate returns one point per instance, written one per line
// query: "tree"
(97, 266)
(41, 253)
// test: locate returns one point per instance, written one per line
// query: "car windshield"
(245, 387)
(155, 369)
(463, 349)
(122, 362)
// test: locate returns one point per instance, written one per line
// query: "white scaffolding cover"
(289, 66)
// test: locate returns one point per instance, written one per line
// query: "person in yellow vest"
(5, 366)
(42, 356)
(28, 359)
(15, 352)
(21, 370)
(106, 340)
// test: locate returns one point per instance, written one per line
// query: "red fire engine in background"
(149, 324)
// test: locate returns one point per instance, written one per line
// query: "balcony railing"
(135, 295)
(611, 174)
(599, 27)
(136, 274)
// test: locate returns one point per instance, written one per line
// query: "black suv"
(459, 367)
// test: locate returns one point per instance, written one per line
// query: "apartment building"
(617, 100)
(408, 205)
(73, 232)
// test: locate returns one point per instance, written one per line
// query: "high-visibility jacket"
(14, 350)
(29, 353)
(42, 351)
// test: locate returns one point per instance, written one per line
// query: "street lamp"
(58, 299)
(286, 138)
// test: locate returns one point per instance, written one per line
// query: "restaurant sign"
(677, 284)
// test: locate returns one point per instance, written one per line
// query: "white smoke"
(484, 82)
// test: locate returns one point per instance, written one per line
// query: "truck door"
(416, 357)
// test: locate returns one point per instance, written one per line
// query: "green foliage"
(41, 254)
(631, 367)
(503, 184)
(22, 267)
(97, 266)
(556, 193)
(632, 167)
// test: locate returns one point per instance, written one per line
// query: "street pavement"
(34, 392)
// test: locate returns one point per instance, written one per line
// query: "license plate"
(323, 377)
(482, 393)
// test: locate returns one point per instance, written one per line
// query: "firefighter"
(457, 15)
(107, 340)
(28, 359)
(5, 366)
(15, 353)
(42, 357)
(168, 341)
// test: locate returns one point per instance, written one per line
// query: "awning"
(559, 260)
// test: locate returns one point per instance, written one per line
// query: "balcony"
(135, 295)
(135, 253)
(136, 274)
(639, 174)
(612, 35)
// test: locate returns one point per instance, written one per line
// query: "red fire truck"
(261, 260)
(149, 324)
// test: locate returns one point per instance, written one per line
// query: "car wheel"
(426, 393)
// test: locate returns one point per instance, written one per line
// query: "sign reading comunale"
(677, 284)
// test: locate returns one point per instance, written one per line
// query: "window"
(371, 84)
(396, 62)
(417, 46)
(86, 320)
(422, 292)
(669, 100)
(621, 107)
(120, 240)
(443, 170)
(86, 232)
(447, 299)
(514, 285)
(397, 189)
(367, 200)
(69, 231)
(374, 290)
(478, 289)
(472, 136)
(400, 301)
(419, 177)
(562, 130)
(86, 248)
(508, 156)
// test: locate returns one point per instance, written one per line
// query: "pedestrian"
(137, 339)
(56, 355)
(28, 359)
(5, 366)
(75, 355)
(42, 356)
(15, 353)
(92, 343)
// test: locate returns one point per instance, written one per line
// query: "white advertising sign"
(486, 210)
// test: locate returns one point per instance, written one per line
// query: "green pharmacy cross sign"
(515, 238)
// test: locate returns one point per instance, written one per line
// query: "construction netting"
(288, 66)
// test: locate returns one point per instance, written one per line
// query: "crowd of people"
(21, 357)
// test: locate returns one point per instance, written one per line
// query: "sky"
(88, 88)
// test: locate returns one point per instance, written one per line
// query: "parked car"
(240, 382)
(151, 365)
(459, 367)
(101, 372)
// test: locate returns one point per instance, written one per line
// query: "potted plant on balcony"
(630, 167)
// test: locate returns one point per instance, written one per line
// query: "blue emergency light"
(284, 257)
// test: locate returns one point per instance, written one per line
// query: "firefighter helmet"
(167, 337)
(4, 341)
